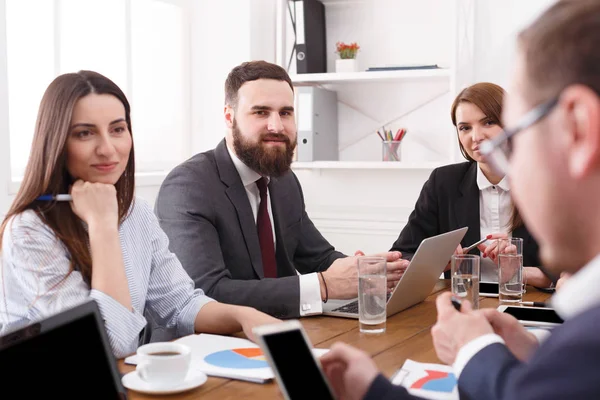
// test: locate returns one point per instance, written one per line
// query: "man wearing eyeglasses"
(552, 157)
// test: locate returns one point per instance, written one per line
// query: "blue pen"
(58, 197)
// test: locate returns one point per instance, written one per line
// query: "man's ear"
(582, 107)
(229, 113)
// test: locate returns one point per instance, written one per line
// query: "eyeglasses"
(498, 151)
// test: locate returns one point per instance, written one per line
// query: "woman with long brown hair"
(471, 193)
(104, 244)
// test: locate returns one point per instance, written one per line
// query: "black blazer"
(449, 200)
(203, 207)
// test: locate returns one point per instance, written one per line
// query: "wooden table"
(407, 336)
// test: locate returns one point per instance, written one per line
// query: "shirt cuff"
(122, 325)
(469, 350)
(540, 334)
(310, 295)
(187, 317)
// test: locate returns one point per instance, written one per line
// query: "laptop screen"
(66, 356)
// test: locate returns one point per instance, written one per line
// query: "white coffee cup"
(163, 364)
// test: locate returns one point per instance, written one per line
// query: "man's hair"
(561, 48)
(251, 71)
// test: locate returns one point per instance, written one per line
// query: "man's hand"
(454, 329)
(341, 279)
(519, 341)
(563, 277)
(395, 267)
(350, 371)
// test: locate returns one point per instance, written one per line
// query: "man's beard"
(266, 161)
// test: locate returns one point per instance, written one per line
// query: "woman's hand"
(95, 203)
(491, 251)
(535, 277)
(250, 318)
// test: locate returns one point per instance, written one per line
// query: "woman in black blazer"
(470, 193)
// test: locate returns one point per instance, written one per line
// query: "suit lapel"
(279, 243)
(467, 206)
(236, 192)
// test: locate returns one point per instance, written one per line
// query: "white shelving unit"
(318, 165)
(358, 87)
(369, 76)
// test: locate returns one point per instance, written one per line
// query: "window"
(142, 45)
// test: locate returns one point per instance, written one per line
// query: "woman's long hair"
(46, 171)
(488, 97)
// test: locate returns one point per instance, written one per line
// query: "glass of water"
(510, 270)
(465, 278)
(372, 294)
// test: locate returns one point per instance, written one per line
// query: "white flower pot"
(346, 65)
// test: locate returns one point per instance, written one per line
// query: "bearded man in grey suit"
(236, 217)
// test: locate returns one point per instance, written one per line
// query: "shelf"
(369, 76)
(367, 165)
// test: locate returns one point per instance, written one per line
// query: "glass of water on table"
(465, 278)
(372, 294)
(510, 270)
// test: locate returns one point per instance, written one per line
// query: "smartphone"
(488, 289)
(289, 353)
(533, 316)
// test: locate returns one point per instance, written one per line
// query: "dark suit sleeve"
(423, 221)
(383, 389)
(566, 370)
(314, 252)
(185, 212)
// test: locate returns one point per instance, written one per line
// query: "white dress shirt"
(310, 288)
(577, 295)
(495, 211)
(36, 281)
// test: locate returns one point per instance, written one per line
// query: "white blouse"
(35, 281)
(494, 217)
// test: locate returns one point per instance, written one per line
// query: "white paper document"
(227, 357)
(429, 381)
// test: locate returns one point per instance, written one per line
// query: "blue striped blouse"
(34, 264)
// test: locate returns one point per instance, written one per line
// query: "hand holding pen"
(92, 202)
(55, 197)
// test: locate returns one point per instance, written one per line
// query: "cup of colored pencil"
(391, 144)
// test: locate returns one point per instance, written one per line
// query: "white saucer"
(133, 381)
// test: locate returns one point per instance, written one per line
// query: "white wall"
(354, 209)
(497, 22)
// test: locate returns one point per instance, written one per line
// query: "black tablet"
(65, 356)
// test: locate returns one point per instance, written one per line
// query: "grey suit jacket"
(203, 207)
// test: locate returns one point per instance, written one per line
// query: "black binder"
(311, 52)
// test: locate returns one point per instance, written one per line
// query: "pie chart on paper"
(241, 358)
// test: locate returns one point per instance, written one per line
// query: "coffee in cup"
(163, 364)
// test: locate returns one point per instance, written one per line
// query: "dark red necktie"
(265, 232)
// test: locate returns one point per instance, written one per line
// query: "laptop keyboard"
(352, 308)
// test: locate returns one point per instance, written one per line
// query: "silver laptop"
(418, 280)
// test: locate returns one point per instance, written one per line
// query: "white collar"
(483, 182)
(580, 292)
(248, 175)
